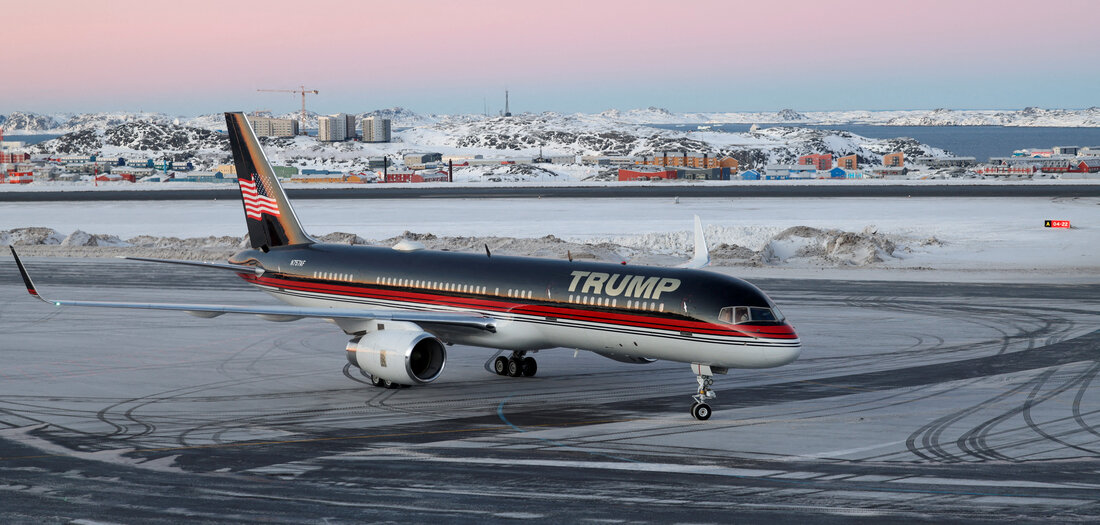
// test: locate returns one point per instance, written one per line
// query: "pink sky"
(449, 56)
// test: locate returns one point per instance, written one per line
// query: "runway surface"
(912, 402)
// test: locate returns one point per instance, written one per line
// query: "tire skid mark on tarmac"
(1076, 407)
(974, 441)
(1033, 400)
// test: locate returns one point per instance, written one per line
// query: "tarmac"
(912, 402)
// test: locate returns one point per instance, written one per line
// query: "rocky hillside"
(177, 142)
(29, 122)
(574, 135)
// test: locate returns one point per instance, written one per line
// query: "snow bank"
(800, 245)
(30, 237)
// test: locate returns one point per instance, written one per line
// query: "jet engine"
(404, 357)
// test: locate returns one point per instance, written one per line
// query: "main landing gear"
(515, 366)
(705, 375)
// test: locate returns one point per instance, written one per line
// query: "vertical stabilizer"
(271, 219)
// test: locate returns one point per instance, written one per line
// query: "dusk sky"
(196, 57)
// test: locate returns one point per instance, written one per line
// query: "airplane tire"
(389, 384)
(375, 381)
(530, 366)
(700, 411)
(515, 368)
(500, 366)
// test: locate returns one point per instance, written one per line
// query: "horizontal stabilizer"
(242, 268)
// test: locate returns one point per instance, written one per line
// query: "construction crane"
(304, 92)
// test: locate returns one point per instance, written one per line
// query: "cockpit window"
(749, 314)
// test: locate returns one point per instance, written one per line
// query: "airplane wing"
(279, 312)
(702, 253)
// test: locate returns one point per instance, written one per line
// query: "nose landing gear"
(705, 375)
(515, 366)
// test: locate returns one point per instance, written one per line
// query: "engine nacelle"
(403, 356)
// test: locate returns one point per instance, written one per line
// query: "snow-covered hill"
(27, 123)
(558, 134)
(524, 135)
(142, 138)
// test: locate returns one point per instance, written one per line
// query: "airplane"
(403, 305)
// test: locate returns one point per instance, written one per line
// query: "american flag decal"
(256, 201)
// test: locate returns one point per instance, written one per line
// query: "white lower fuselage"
(517, 330)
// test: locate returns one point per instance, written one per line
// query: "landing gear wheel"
(389, 384)
(375, 381)
(701, 411)
(515, 368)
(500, 366)
(530, 366)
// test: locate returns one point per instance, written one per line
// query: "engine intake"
(403, 356)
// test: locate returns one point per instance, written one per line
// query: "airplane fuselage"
(638, 311)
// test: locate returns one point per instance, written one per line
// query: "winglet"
(26, 277)
(702, 253)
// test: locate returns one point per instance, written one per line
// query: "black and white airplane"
(403, 305)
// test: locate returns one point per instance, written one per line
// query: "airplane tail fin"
(271, 219)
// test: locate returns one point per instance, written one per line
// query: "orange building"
(685, 159)
(894, 160)
(822, 162)
(849, 163)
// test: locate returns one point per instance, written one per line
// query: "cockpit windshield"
(749, 314)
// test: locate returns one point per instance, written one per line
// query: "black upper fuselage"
(657, 291)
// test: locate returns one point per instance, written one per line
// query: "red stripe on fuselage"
(579, 314)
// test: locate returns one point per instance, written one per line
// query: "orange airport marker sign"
(1055, 224)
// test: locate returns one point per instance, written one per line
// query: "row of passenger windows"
(520, 294)
(614, 303)
(332, 276)
(517, 293)
(453, 287)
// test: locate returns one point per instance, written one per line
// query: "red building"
(823, 162)
(414, 176)
(628, 174)
(116, 177)
(12, 158)
(20, 177)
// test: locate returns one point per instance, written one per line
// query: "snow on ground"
(981, 238)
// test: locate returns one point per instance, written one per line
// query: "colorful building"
(822, 162)
(417, 176)
(894, 160)
(684, 159)
(644, 174)
(850, 162)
